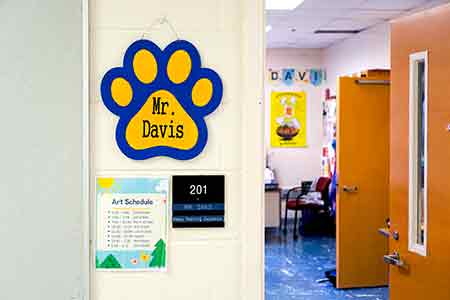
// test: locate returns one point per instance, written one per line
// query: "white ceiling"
(315, 15)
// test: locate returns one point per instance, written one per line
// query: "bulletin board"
(288, 119)
(132, 220)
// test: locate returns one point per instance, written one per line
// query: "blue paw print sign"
(161, 98)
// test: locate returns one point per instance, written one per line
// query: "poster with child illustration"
(288, 119)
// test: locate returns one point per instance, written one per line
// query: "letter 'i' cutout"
(161, 98)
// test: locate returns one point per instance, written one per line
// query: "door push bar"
(373, 82)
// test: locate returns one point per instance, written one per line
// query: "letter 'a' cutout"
(161, 98)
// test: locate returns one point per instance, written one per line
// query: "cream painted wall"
(203, 264)
(367, 50)
(293, 165)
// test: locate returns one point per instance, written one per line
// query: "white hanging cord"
(158, 22)
(162, 21)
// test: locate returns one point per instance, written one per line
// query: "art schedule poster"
(132, 223)
(288, 119)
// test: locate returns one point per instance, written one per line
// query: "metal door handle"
(384, 231)
(387, 233)
(350, 189)
(393, 259)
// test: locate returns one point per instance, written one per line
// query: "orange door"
(363, 170)
(420, 209)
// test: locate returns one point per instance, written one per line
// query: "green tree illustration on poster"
(110, 262)
(159, 255)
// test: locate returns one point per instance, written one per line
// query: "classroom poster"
(131, 223)
(288, 119)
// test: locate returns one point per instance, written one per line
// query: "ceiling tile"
(326, 37)
(393, 4)
(281, 34)
(330, 4)
(277, 13)
(303, 24)
(306, 24)
(318, 13)
(274, 20)
(322, 39)
(367, 14)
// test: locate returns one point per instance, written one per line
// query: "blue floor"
(292, 269)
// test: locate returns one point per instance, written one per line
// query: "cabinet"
(272, 206)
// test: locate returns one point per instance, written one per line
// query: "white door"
(207, 263)
(42, 212)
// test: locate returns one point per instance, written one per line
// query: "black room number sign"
(198, 201)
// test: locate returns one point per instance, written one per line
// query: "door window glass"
(418, 153)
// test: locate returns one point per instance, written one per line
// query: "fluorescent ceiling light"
(268, 28)
(283, 4)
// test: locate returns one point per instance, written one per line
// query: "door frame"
(253, 62)
(85, 281)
